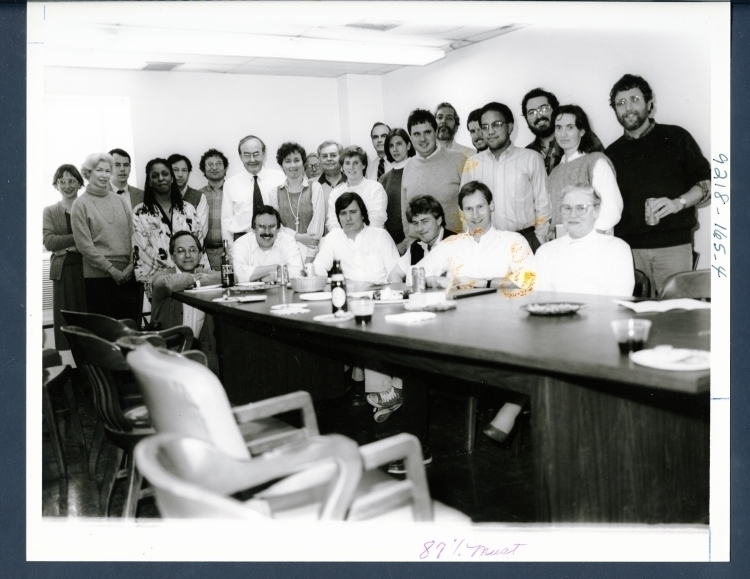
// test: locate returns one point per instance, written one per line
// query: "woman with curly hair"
(162, 213)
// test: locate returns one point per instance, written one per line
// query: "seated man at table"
(428, 219)
(257, 255)
(366, 253)
(482, 256)
(584, 261)
(185, 250)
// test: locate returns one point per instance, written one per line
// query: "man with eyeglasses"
(330, 154)
(539, 106)
(516, 177)
(213, 165)
(313, 168)
(257, 256)
(584, 261)
(247, 191)
(118, 182)
(185, 249)
(662, 162)
(448, 123)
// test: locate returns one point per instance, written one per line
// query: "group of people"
(561, 214)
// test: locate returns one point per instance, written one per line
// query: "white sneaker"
(385, 399)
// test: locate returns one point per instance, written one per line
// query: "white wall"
(579, 67)
(189, 113)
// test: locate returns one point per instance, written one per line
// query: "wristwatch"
(683, 203)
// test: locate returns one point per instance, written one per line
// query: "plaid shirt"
(214, 196)
(551, 155)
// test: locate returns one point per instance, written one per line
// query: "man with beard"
(474, 124)
(448, 123)
(182, 167)
(515, 176)
(256, 256)
(539, 107)
(662, 162)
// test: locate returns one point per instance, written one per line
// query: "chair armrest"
(272, 406)
(196, 356)
(132, 341)
(407, 447)
(129, 323)
(177, 338)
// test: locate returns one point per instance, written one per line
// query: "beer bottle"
(338, 288)
(227, 270)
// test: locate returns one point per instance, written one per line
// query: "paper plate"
(553, 308)
(240, 299)
(675, 359)
(289, 306)
(331, 318)
(316, 297)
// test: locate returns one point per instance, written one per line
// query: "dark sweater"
(391, 182)
(666, 162)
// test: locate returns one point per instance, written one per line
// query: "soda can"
(651, 218)
(418, 280)
(282, 275)
(310, 270)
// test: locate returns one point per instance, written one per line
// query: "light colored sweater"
(439, 175)
(102, 228)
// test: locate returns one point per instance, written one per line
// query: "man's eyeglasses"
(496, 126)
(183, 251)
(312, 167)
(634, 99)
(580, 210)
(266, 227)
(542, 110)
(69, 183)
(254, 156)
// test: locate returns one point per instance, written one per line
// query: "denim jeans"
(658, 264)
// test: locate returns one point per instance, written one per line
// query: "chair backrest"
(102, 326)
(687, 284)
(642, 287)
(185, 397)
(105, 366)
(194, 479)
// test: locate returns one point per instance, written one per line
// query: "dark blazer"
(417, 252)
(56, 238)
(135, 195)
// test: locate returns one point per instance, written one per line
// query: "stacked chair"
(688, 284)
(201, 464)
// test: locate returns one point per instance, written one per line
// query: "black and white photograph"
(378, 281)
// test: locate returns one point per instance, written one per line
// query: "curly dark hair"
(628, 82)
(212, 153)
(540, 92)
(287, 149)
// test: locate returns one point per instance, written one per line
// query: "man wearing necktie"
(248, 190)
(378, 166)
(119, 180)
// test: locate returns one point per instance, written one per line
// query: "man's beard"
(635, 123)
(543, 132)
(441, 133)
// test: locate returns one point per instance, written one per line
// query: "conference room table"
(612, 441)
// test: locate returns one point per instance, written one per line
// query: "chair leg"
(75, 419)
(471, 423)
(51, 419)
(96, 445)
(110, 476)
(134, 489)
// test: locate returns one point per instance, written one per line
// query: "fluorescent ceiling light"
(138, 39)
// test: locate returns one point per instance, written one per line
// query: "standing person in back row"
(378, 165)
(448, 122)
(539, 108)
(214, 165)
(248, 190)
(118, 183)
(515, 176)
(182, 167)
(662, 162)
(432, 171)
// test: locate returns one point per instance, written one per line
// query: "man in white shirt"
(427, 219)
(516, 177)
(118, 182)
(482, 256)
(247, 190)
(584, 261)
(182, 167)
(256, 256)
(366, 253)
(378, 165)
(448, 123)
(185, 250)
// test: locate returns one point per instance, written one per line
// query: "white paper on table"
(664, 305)
(409, 317)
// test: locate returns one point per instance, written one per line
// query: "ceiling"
(269, 38)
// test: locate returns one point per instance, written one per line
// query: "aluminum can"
(310, 270)
(418, 280)
(651, 218)
(282, 275)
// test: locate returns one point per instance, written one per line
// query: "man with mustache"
(474, 124)
(448, 123)
(662, 162)
(257, 256)
(248, 190)
(539, 108)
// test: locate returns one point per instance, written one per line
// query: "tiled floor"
(488, 484)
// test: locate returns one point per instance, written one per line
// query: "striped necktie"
(381, 168)
(257, 197)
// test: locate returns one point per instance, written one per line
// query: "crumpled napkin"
(664, 305)
(409, 317)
